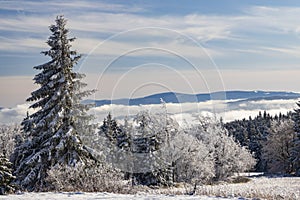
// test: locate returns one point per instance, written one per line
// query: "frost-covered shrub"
(192, 161)
(229, 156)
(86, 178)
(8, 136)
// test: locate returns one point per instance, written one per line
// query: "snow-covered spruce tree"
(112, 131)
(113, 143)
(295, 157)
(124, 140)
(53, 130)
(6, 176)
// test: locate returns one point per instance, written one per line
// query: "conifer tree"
(110, 129)
(6, 176)
(295, 157)
(52, 132)
(277, 149)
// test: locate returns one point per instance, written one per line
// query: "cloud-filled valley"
(183, 112)
(228, 110)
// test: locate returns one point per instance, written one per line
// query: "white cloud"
(90, 22)
(13, 115)
(290, 50)
(187, 112)
(55, 5)
(160, 32)
(25, 44)
(25, 24)
(184, 112)
(279, 19)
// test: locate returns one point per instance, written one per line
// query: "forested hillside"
(271, 139)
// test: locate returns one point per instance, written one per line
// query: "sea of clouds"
(182, 112)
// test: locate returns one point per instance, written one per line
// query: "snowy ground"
(257, 188)
(92, 196)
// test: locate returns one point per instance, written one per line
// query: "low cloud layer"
(183, 113)
(13, 115)
(188, 112)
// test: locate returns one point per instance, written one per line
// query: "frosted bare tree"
(229, 156)
(278, 147)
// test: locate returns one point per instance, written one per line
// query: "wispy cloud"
(90, 26)
(28, 25)
(278, 19)
(56, 5)
(290, 50)
(24, 45)
(92, 19)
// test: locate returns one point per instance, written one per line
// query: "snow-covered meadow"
(91, 196)
(257, 188)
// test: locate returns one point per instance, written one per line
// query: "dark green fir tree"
(295, 157)
(53, 131)
(6, 176)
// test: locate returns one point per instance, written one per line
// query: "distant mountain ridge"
(171, 97)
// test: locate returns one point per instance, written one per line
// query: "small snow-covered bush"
(8, 135)
(86, 179)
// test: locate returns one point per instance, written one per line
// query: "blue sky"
(139, 47)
